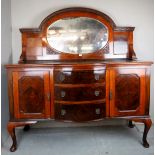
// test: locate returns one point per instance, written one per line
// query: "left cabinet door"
(31, 94)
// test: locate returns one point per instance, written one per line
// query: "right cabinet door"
(127, 92)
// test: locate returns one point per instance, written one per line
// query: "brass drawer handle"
(97, 110)
(97, 92)
(63, 93)
(97, 76)
(63, 112)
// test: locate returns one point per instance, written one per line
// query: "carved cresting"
(127, 92)
(31, 94)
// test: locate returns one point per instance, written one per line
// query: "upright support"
(11, 129)
(147, 125)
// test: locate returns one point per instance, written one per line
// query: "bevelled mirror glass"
(77, 35)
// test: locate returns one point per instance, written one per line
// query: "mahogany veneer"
(52, 84)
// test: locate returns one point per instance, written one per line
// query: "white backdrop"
(138, 13)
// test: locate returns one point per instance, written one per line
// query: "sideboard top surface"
(79, 63)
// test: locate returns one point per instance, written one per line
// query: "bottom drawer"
(79, 113)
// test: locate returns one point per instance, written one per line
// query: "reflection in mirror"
(77, 35)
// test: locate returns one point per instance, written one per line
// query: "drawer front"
(79, 76)
(79, 113)
(80, 93)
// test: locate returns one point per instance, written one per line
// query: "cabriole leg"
(11, 129)
(147, 125)
(130, 124)
(26, 128)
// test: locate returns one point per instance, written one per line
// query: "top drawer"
(79, 76)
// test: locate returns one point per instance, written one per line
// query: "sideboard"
(78, 66)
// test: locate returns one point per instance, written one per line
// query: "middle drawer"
(80, 93)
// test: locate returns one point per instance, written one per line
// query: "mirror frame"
(58, 22)
(79, 12)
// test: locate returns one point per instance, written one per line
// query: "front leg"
(11, 129)
(147, 125)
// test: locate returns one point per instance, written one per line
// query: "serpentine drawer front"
(79, 77)
(80, 95)
(78, 66)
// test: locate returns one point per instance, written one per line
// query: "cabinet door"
(127, 92)
(31, 94)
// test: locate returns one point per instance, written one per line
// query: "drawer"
(80, 93)
(79, 113)
(79, 76)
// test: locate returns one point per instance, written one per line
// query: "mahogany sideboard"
(78, 66)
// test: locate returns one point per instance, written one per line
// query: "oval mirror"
(77, 35)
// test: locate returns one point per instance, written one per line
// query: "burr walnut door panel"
(31, 94)
(127, 92)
